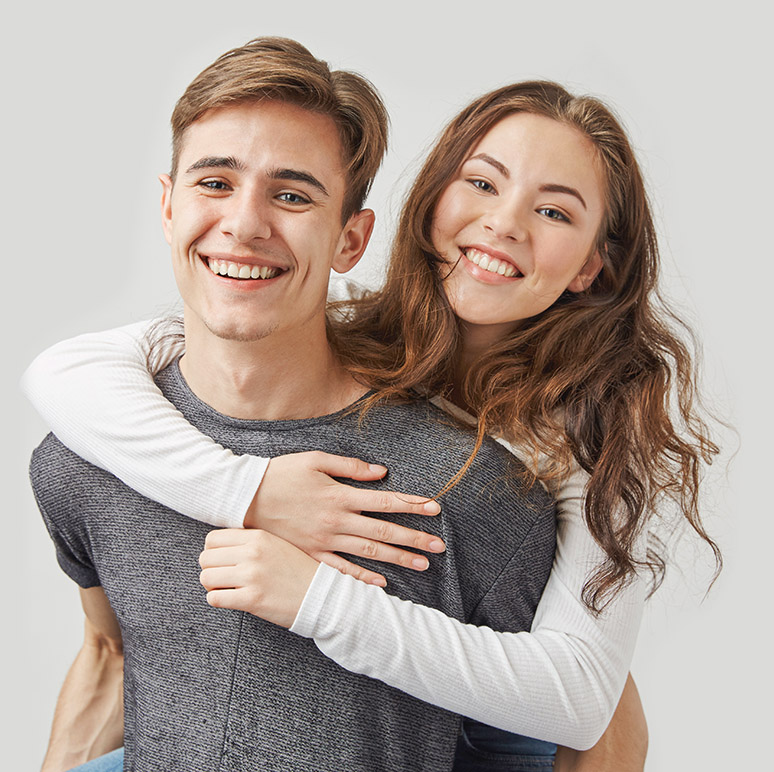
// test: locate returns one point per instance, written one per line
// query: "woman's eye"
(293, 198)
(482, 185)
(553, 214)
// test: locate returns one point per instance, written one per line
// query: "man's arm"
(89, 716)
(623, 746)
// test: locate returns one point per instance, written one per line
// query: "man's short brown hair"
(284, 70)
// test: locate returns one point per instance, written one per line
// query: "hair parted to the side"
(284, 70)
(602, 376)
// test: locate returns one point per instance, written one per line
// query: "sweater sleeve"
(559, 682)
(97, 395)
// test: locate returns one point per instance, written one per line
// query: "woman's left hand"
(257, 572)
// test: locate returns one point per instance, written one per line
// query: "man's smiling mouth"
(236, 270)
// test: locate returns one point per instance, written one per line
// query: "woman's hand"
(257, 572)
(299, 501)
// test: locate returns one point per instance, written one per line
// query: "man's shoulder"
(420, 420)
(62, 481)
(53, 460)
(425, 431)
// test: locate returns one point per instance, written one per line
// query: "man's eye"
(293, 198)
(482, 185)
(213, 185)
(553, 214)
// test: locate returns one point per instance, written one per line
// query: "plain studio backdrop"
(88, 91)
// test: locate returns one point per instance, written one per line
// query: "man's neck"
(282, 376)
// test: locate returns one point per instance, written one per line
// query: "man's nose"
(247, 217)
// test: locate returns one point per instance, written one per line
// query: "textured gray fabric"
(209, 689)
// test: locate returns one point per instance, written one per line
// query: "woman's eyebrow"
(548, 187)
(555, 188)
(492, 162)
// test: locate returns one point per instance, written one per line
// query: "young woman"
(522, 291)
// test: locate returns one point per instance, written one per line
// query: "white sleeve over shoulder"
(559, 682)
(97, 395)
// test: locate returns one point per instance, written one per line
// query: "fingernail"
(436, 545)
(377, 468)
(379, 582)
(421, 563)
(432, 507)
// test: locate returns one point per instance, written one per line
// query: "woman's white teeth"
(491, 264)
(241, 270)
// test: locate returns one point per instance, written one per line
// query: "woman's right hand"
(299, 501)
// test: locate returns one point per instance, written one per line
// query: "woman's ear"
(587, 273)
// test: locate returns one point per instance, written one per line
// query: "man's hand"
(299, 501)
(257, 572)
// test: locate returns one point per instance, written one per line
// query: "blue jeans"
(111, 762)
(480, 748)
(483, 748)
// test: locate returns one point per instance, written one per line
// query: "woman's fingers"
(221, 577)
(384, 553)
(382, 531)
(220, 556)
(230, 537)
(239, 599)
(257, 572)
(371, 501)
(362, 500)
(351, 569)
(343, 466)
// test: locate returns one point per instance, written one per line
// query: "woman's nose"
(505, 220)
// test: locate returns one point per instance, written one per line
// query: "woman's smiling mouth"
(491, 264)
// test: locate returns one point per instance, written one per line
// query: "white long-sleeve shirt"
(560, 682)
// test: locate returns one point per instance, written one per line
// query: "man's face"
(254, 219)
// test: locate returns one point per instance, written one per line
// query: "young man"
(272, 158)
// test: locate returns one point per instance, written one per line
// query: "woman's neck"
(476, 340)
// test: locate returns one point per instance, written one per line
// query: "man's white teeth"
(491, 264)
(241, 270)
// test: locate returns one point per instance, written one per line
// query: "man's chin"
(236, 332)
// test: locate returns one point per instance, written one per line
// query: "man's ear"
(587, 273)
(166, 206)
(353, 240)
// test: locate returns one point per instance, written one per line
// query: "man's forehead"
(266, 134)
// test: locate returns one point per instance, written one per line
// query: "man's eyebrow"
(216, 162)
(554, 188)
(502, 168)
(296, 175)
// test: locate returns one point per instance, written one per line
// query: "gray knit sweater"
(210, 689)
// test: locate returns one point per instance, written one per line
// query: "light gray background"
(88, 89)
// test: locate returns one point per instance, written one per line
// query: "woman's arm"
(622, 748)
(96, 393)
(560, 682)
(98, 397)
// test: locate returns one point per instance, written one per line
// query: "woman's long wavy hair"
(601, 377)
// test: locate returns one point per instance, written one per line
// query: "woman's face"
(518, 224)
